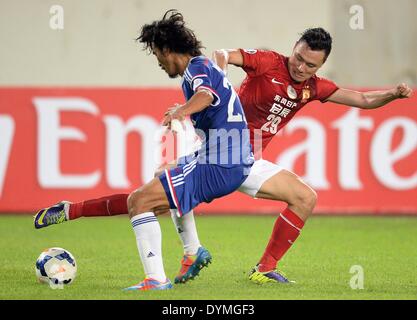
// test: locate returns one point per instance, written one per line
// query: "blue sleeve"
(199, 75)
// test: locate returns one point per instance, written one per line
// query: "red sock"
(286, 230)
(106, 206)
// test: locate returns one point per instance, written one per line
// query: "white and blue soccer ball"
(56, 266)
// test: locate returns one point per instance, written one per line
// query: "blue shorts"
(191, 183)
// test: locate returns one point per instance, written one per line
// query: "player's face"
(304, 62)
(166, 62)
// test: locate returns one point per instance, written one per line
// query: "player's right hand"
(403, 91)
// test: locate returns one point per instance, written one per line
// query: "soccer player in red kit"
(274, 89)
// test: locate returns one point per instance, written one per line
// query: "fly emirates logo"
(34, 139)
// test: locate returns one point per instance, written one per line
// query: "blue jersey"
(222, 126)
(225, 143)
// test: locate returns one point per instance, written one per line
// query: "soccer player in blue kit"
(217, 169)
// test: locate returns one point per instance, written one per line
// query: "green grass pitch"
(320, 260)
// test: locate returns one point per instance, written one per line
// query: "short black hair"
(170, 33)
(318, 39)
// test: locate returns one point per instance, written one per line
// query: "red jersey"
(270, 97)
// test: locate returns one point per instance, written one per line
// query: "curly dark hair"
(318, 39)
(170, 33)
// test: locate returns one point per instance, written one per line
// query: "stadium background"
(110, 92)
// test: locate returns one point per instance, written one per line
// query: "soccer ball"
(56, 266)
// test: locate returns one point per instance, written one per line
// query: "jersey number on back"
(230, 108)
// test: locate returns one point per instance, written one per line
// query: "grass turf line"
(319, 261)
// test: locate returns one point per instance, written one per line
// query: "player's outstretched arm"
(223, 57)
(370, 99)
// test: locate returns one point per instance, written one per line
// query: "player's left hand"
(403, 91)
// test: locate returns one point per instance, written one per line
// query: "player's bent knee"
(135, 203)
(307, 199)
(303, 200)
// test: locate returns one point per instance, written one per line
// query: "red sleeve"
(257, 62)
(325, 88)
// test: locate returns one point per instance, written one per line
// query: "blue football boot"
(58, 213)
